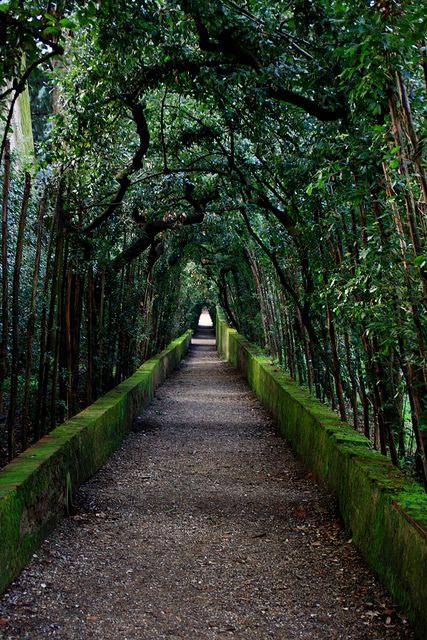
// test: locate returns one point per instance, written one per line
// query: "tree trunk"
(5, 277)
(13, 398)
(31, 323)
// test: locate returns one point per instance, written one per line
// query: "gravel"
(203, 525)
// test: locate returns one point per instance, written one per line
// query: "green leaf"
(67, 23)
(420, 261)
(51, 31)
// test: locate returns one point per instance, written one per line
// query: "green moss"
(35, 487)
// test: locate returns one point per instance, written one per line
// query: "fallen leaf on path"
(80, 519)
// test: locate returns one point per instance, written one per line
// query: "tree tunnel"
(264, 157)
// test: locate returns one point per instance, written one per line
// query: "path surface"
(202, 526)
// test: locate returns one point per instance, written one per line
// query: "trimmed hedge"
(385, 512)
(36, 487)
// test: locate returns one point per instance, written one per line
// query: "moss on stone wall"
(35, 487)
(385, 512)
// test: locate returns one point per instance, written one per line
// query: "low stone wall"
(385, 512)
(36, 487)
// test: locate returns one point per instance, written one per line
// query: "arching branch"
(150, 230)
(124, 178)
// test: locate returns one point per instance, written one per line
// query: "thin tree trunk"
(31, 323)
(13, 398)
(51, 329)
(5, 276)
(365, 403)
(43, 333)
(336, 363)
(353, 381)
(90, 336)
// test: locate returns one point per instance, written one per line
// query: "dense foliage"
(267, 155)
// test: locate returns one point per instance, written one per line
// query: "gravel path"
(202, 526)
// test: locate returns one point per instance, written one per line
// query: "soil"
(202, 526)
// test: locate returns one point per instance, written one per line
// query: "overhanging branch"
(124, 178)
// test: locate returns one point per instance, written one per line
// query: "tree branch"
(306, 104)
(124, 177)
(9, 20)
(227, 43)
(150, 230)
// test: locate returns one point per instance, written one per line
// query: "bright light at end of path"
(205, 320)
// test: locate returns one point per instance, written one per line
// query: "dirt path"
(203, 525)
